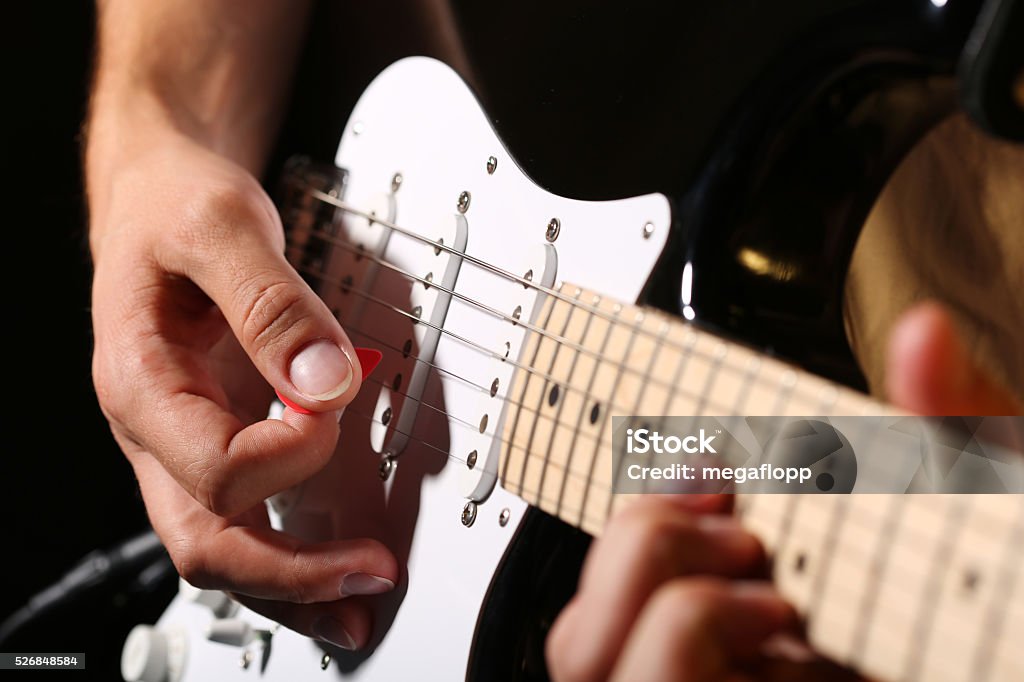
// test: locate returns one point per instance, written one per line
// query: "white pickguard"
(419, 119)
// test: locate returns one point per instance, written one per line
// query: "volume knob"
(152, 655)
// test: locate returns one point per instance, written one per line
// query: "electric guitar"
(480, 449)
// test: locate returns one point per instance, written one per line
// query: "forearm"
(215, 71)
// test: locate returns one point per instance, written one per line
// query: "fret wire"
(677, 376)
(604, 422)
(522, 400)
(984, 654)
(742, 501)
(557, 420)
(835, 531)
(792, 502)
(879, 562)
(616, 474)
(543, 393)
(933, 585)
(579, 417)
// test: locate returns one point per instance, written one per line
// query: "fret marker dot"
(825, 482)
(595, 412)
(553, 395)
(483, 423)
(801, 562)
(346, 284)
(406, 348)
(494, 388)
(397, 382)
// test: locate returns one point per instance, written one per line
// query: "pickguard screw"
(469, 514)
(387, 466)
(648, 230)
(503, 517)
(325, 662)
(492, 165)
(464, 200)
(554, 227)
(396, 182)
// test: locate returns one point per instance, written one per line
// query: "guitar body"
(788, 176)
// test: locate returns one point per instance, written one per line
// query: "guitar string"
(430, 284)
(794, 387)
(328, 279)
(690, 349)
(797, 388)
(440, 245)
(525, 368)
(908, 534)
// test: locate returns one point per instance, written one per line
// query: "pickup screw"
(387, 466)
(492, 165)
(554, 227)
(469, 514)
(464, 200)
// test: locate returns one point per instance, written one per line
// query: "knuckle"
(213, 491)
(272, 307)
(190, 561)
(653, 532)
(294, 584)
(688, 601)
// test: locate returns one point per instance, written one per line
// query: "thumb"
(930, 371)
(287, 331)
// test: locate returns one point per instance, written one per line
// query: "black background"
(69, 490)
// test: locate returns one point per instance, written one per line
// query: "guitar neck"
(885, 582)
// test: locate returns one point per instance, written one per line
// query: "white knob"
(233, 631)
(144, 657)
(218, 602)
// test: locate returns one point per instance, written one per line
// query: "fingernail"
(321, 371)
(364, 583)
(331, 630)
